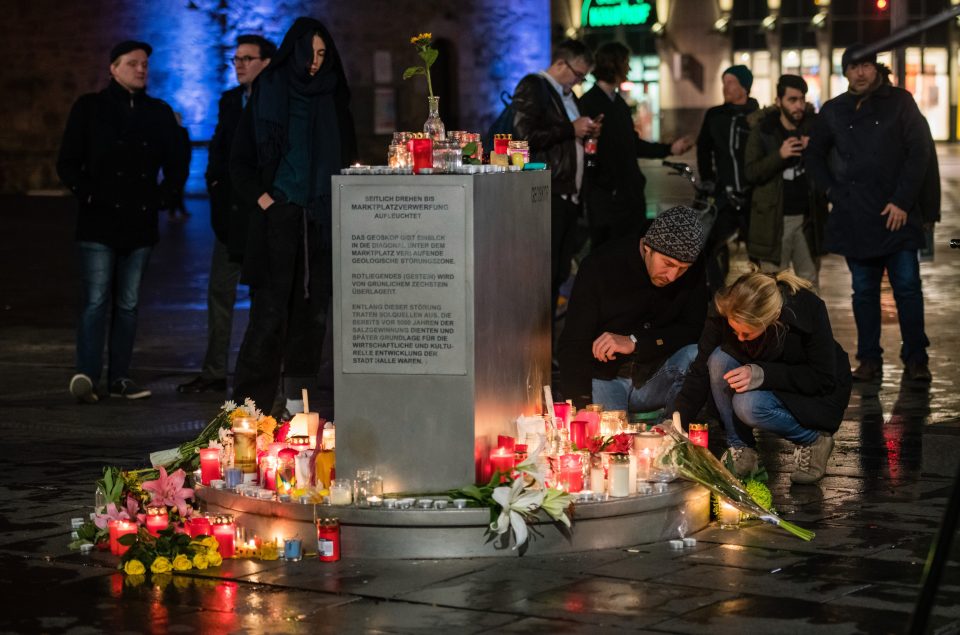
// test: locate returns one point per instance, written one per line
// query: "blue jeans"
(903, 269)
(658, 392)
(740, 412)
(106, 272)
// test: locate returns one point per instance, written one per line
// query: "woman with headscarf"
(296, 132)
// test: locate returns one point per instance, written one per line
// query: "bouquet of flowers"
(514, 502)
(168, 551)
(423, 43)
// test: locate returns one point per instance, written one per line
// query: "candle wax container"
(157, 519)
(729, 516)
(209, 465)
(293, 550)
(245, 445)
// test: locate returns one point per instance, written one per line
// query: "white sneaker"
(81, 387)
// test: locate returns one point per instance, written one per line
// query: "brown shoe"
(812, 460)
(868, 370)
(918, 371)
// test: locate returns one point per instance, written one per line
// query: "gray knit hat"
(677, 233)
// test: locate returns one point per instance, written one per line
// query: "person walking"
(114, 147)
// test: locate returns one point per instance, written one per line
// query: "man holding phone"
(787, 215)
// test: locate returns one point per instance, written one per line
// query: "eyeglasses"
(244, 60)
(580, 76)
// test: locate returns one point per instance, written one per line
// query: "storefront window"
(759, 64)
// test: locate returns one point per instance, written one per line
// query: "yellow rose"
(134, 567)
(200, 561)
(211, 543)
(182, 563)
(161, 565)
(214, 559)
(267, 425)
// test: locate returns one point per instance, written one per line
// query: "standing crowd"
(651, 322)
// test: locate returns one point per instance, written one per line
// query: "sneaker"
(812, 460)
(918, 371)
(202, 384)
(868, 370)
(81, 387)
(745, 460)
(128, 389)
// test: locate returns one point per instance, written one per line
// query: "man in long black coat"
(872, 152)
(115, 144)
(227, 216)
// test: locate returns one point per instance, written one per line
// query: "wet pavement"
(875, 513)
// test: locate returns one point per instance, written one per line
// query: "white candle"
(619, 478)
(729, 515)
(596, 479)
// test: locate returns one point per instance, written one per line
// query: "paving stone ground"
(875, 514)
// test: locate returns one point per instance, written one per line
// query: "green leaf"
(413, 70)
(429, 56)
(469, 149)
(127, 540)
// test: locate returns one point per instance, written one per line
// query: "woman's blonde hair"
(755, 299)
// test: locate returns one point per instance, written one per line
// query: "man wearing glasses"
(548, 117)
(228, 218)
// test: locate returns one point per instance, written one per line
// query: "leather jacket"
(542, 120)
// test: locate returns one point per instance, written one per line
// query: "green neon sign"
(615, 13)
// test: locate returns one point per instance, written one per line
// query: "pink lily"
(113, 513)
(169, 490)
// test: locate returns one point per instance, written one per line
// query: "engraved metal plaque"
(403, 279)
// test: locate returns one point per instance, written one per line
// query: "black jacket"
(867, 157)
(613, 292)
(113, 149)
(721, 143)
(542, 120)
(618, 148)
(811, 376)
(229, 220)
(764, 171)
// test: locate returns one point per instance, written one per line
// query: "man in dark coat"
(616, 205)
(871, 152)
(295, 133)
(115, 144)
(720, 148)
(548, 117)
(635, 313)
(227, 216)
(787, 212)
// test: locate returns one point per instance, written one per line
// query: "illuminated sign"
(615, 13)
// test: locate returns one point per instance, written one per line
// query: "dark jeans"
(288, 312)
(105, 271)
(903, 269)
(564, 243)
(221, 296)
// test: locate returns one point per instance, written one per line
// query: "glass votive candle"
(341, 491)
(293, 549)
(729, 516)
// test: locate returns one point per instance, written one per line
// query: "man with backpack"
(548, 117)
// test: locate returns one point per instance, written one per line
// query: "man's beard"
(794, 120)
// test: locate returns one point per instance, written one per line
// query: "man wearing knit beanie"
(720, 161)
(635, 314)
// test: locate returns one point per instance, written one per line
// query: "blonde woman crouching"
(768, 356)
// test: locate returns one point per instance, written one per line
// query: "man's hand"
(681, 145)
(606, 347)
(739, 378)
(792, 147)
(585, 127)
(265, 201)
(896, 217)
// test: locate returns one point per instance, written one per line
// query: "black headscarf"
(333, 141)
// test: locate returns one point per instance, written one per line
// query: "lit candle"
(157, 519)
(571, 472)
(198, 526)
(209, 465)
(268, 471)
(699, 434)
(729, 516)
(341, 492)
(619, 475)
(422, 152)
(118, 529)
(245, 446)
(644, 459)
(286, 470)
(505, 442)
(563, 411)
(578, 433)
(375, 501)
(597, 483)
(224, 531)
(501, 460)
(293, 550)
(632, 475)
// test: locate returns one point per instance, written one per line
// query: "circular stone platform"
(461, 533)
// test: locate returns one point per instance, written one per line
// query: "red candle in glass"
(209, 465)
(593, 422)
(562, 411)
(578, 433)
(198, 526)
(505, 442)
(422, 152)
(571, 472)
(224, 531)
(501, 460)
(119, 528)
(699, 434)
(157, 519)
(501, 143)
(268, 467)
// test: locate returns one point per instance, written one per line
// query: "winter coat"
(613, 292)
(867, 157)
(229, 220)
(721, 144)
(811, 375)
(542, 120)
(114, 146)
(618, 148)
(764, 171)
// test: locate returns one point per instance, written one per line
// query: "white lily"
(555, 503)
(516, 503)
(532, 466)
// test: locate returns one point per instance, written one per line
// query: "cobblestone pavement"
(875, 513)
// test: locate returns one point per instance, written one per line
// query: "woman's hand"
(739, 378)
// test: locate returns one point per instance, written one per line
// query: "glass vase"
(433, 126)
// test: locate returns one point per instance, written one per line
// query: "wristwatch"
(633, 338)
